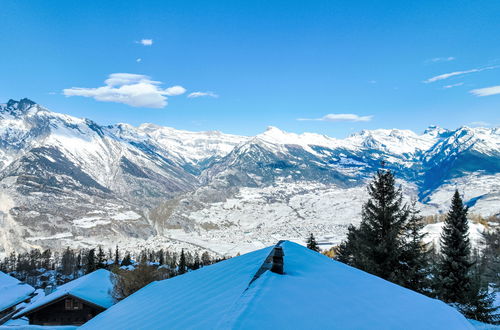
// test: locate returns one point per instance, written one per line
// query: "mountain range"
(66, 181)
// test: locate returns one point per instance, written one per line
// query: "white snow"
(95, 288)
(56, 236)
(128, 215)
(12, 291)
(434, 233)
(96, 220)
(314, 293)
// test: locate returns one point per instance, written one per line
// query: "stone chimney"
(277, 260)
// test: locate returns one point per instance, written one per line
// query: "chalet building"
(12, 293)
(285, 286)
(73, 303)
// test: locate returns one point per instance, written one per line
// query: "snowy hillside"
(66, 180)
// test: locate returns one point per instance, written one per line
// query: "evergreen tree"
(312, 244)
(345, 251)
(117, 255)
(101, 258)
(376, 246)
(491, 258)
(161, 257)
(454, 269)
(46, 256)
(127, 261)
(90, 265)
(480, 303)
(68, 262)
(205, 259)
(182, 263)
(416, 255)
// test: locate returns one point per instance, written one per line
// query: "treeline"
(389, 243)
(43, 268)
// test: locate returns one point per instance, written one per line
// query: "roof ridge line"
(266, 265)
(238, 307)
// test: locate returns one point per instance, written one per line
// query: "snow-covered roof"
(315, 292)
(95, 288)
(13, 291)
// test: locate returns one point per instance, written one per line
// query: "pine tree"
(376, 246)
(90, 262)
(312, 244)
(480, 303)
(416, 254)
(117, 256)
(46, 256)
(161, 257)
(454, 269)
(205, 259)
(345, 251)
(68, 262)
(127, 260)
(491, 257)
(182, 263)
(101, 258)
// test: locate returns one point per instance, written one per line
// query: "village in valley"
(271, 287)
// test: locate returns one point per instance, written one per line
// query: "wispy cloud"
(440, 59)
(138, 60)
(453, 85)
(487, 91)
(202, 94)
(457, 73)
(132, 89)
(479, 124)
(335, 117)
(146, 42)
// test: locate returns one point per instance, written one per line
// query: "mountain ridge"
(93, 183)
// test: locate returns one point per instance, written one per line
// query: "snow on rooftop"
(13, 291)
(315, 292)
(95, 288)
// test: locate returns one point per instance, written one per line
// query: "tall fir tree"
(182, 263)
(454, 269)
(117, 256)
(415, 269)
(312, 244)
(378, 242)
(90, 265)
(101, 258)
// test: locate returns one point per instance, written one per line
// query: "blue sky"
(348, 65)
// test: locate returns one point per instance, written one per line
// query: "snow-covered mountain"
(65, 180)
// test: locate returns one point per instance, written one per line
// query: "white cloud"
(457, 73)
(479, 124)
(175, 90)
(339, 117)
(146, 42)
(138, 59)
(453, 85)
(132, 89)
(440, 59)
(493, 90)
(202, 94)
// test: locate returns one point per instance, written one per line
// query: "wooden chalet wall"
(66, 311)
